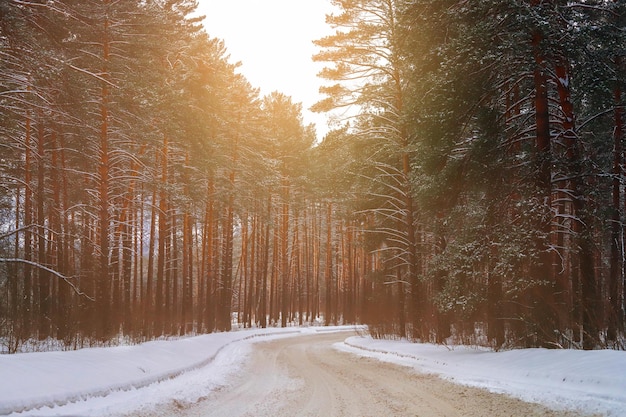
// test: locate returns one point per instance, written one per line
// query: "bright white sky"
(273, 41)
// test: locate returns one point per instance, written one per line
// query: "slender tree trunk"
(328, 314)
(115, 263)
(139, 317)
(27, 302)
(187, 307)
(616, 313)
(541, 268)
(210, 255)
(418, 296)
(202, 275)
(284, 260)
(264, 271)
(226, 289)
(586, 260)
(172, 319)
(349, 313)
(162, 233)
(187, 301)
(14, 294)
(148, 293)
(307, 261)
(273, 313)
(243, 267)
(401, 307)
(103, 296)
(251, 290)
(317, 250)
(129, 234)
(43, 277)
(296, 294)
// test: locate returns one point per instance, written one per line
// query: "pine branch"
(51, 271)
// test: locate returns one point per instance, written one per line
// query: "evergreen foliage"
(475, 195)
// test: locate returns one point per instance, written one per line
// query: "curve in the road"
(306, 376)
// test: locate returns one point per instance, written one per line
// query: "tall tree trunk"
(251, 289)
(243, 272)
(348, 260)
(211, 275)
(328, 313)
(284, 255)
(273, 301)
(418, 297)
(159, 310)
(317, 261)
(148, 293)
(296, 293)
(43, 277)
(187, 299)
(307, 261)
(129, 234)
(401, 308)
(264, 270)
(541, 268)
(103, 296)
(617, 273)
(226, 288)
(586, 260)
(27, 302)
(13, 277)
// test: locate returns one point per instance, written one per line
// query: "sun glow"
(273, 41)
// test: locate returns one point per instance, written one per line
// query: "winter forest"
(475, 194)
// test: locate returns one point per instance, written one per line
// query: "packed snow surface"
(593, 382)
(117, 380)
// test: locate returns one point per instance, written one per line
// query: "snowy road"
(306, 376)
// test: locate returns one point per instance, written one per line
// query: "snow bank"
(34, 380)
(589, 381)
(104, 381)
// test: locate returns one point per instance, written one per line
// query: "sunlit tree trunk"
(130, 256)
(317, 250)
(243, 302)
(307, 261)
(251, 276)
(159, 309)
(263, 312)
(172, 319)
(274, 309)
(328, 274)
(226, 288)
(187, 296)
(209, 261)
(103, 295)
(147, 298)
(187, 276)
(284, 254)
(296, 278)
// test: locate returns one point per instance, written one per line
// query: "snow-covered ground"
(593, 382)
(106, 381)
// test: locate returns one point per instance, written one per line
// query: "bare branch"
(52, 271)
